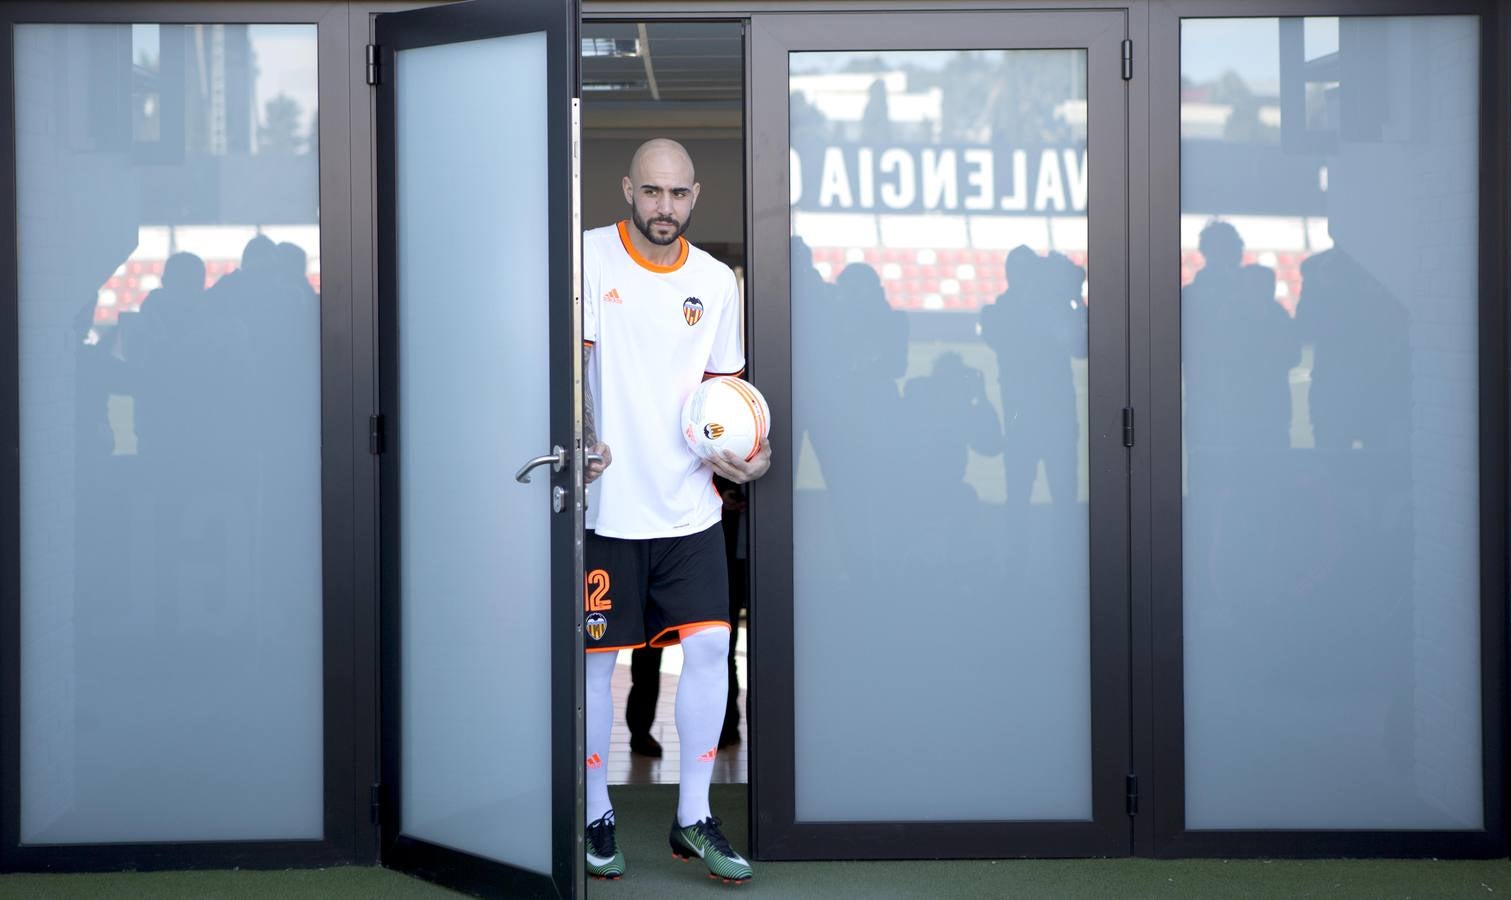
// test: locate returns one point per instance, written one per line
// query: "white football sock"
(600, 722)
(701, 692)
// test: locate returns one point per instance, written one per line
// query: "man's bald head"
(661, 152)
(661, 190)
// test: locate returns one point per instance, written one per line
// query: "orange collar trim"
(629, 247)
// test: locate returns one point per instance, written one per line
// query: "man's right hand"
(594, 468)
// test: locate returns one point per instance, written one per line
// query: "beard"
(645, 227)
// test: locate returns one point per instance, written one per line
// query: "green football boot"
(604, 858)
(705, 841)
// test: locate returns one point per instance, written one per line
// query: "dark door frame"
(349, 491)
(345, 771)
(1158, 511)
(777, 833)
(434, 26)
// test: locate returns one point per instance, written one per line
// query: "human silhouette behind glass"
(174, 352)
(853, 423)
(166, 338)
(261, 307)
(289, 403)
(1355, 515)
(230, 381)
(946, 414)
(241, 506)
(1361, 369)
(815, 317)
(810, 292)
(291, 263)
(1238, 356)
(1238, 348)
(878, 351)
(876, 120)
(1037, 326)
(258, 262)
(881, 353)
(285, 335)
(861, 378)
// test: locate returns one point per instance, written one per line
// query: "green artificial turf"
(644, 813)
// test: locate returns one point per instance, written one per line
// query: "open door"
(482, 504)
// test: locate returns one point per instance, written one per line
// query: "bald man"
(659, 316)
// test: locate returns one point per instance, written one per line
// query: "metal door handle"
(593, 457)
(557, 461)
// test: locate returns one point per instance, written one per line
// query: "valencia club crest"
(692, 310)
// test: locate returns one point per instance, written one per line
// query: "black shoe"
(645, 745)
(706, 840)
(604, 858)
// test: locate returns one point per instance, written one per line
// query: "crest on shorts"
(597, 625)
(713, 431)
(692, 310)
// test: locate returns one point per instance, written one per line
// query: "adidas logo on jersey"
(612, 296)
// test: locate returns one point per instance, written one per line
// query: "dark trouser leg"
(645, 688)
(732, 705)
(737, 601)
(733, 518)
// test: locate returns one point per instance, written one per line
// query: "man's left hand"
(732, 466)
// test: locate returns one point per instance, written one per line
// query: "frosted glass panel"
(473, 291)
(169, 245)
(1330, 229)
(939, 305)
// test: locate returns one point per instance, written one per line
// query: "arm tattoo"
(589, 428)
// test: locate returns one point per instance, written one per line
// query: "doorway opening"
(684, 81)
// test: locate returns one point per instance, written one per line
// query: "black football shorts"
(653, 588)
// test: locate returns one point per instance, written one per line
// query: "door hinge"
(1132, 783)
(372, 64)
(1127, 426)
(375, 799)
(1127, 59)
(375, 434)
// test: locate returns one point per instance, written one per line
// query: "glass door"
(177, 642)
(940, 324)
(1329, 471)
(481, 474)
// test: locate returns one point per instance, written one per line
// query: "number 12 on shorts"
(596, 592)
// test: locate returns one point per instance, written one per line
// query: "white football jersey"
(656, 331)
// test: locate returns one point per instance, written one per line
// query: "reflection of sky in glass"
(975, 96)
(284, 63)
(144, 45)
(927, 60)
(1248, 47)
(1321, 36)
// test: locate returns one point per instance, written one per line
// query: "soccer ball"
(726, 413)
